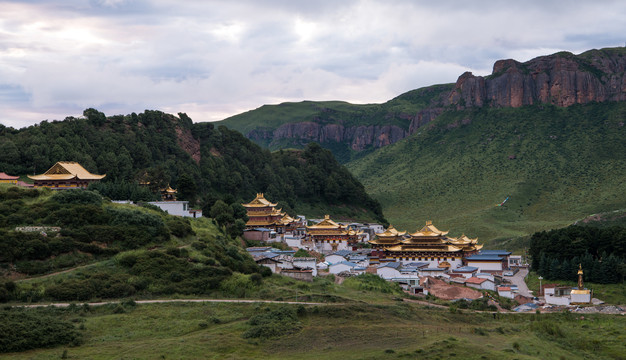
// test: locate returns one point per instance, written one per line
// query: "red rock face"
(359, 137)
(561, 79)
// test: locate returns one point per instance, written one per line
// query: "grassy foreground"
(216, 331)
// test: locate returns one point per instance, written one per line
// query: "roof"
(475, 280)
(327, 223)
(433, 269)
(495, 252)
(350, 264)
(394, 265)
(466, 269)
(4, 176)
(258, 248)
(504, 288)
(264, 255)
(66, 170)
(391, 231)
(343, 253)
(259, 201)
(429, 230)
(417, 264)
(480, 257)
(259, 229)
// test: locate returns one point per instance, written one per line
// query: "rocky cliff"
(562, 79)
(359, 137)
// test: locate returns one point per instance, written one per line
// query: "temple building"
(263, 214)
(65, 175)
(175, 207)
(429, 245)
(8, 179)
(329, 236)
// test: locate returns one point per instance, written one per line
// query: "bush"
(22, 329)
(84, 197)
(273, 323)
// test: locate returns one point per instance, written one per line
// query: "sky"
(212, 59)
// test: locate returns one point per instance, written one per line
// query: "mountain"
(203, 162)
(352, 131)
(554, 164)
(349, 130)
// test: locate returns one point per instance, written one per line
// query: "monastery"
(329, 236)
(429, 245)
(263, 214)
(65, 175)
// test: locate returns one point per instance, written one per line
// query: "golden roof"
(259, 201)
(445, 248)
(327, 223)
(66, 170)
(429, 230)
(391, 232)
(169, 190)
(581, 292)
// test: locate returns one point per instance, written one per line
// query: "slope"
(203, 162)
(349, 130)
(556, 164)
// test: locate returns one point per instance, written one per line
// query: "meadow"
(358, 331)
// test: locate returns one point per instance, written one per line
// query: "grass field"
(396, 331)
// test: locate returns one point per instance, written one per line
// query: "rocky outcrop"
(561, 79)
(187, 142)
(359, 137)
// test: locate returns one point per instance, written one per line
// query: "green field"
(557, 165)
(396, 331)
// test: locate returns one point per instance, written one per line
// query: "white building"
(341, 267)
(305, 263)
(506, 292)
(338, 256)
(480, 283)
(177, 208)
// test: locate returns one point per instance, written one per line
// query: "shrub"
(273, 323)
(77, 197)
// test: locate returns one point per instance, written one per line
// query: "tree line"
(557, 254)
(203, 163)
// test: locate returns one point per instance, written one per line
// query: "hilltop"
(203, 162)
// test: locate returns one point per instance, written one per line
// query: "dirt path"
(55, 273)
(183, 301)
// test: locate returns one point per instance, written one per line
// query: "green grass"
(215, 331)
(569, 163)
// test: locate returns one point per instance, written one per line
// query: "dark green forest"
(601, 252)
(202, 162)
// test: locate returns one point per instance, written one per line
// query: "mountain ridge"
(352, 131)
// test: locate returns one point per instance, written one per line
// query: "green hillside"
(557, 165)
(398, 111)
(203, 162)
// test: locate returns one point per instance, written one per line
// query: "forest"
(557, 254)
(203, 163)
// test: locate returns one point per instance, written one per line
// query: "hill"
(349, 130)
(203, 162)
(352, 131)
(556, 165)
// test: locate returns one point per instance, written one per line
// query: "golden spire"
(580, 277)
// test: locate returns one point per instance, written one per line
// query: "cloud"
(213, 59)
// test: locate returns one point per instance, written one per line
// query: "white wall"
(482, 266)
(306, 263)
(178, 208)
(325, 247)
(557, 300)
(337, 268)
(580, 298)
(334, 259)
(388, 273)
(432, 263)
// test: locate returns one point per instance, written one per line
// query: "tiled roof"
(485, 257)
(475, 280)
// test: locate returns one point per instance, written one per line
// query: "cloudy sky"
(212, 59)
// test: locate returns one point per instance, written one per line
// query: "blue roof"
(433, 269)
(484, 257)
(394, 265)
(258, 248)
(465, 269)
(343, 253)
(417, 264)
(495, 252)
(351, 264)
